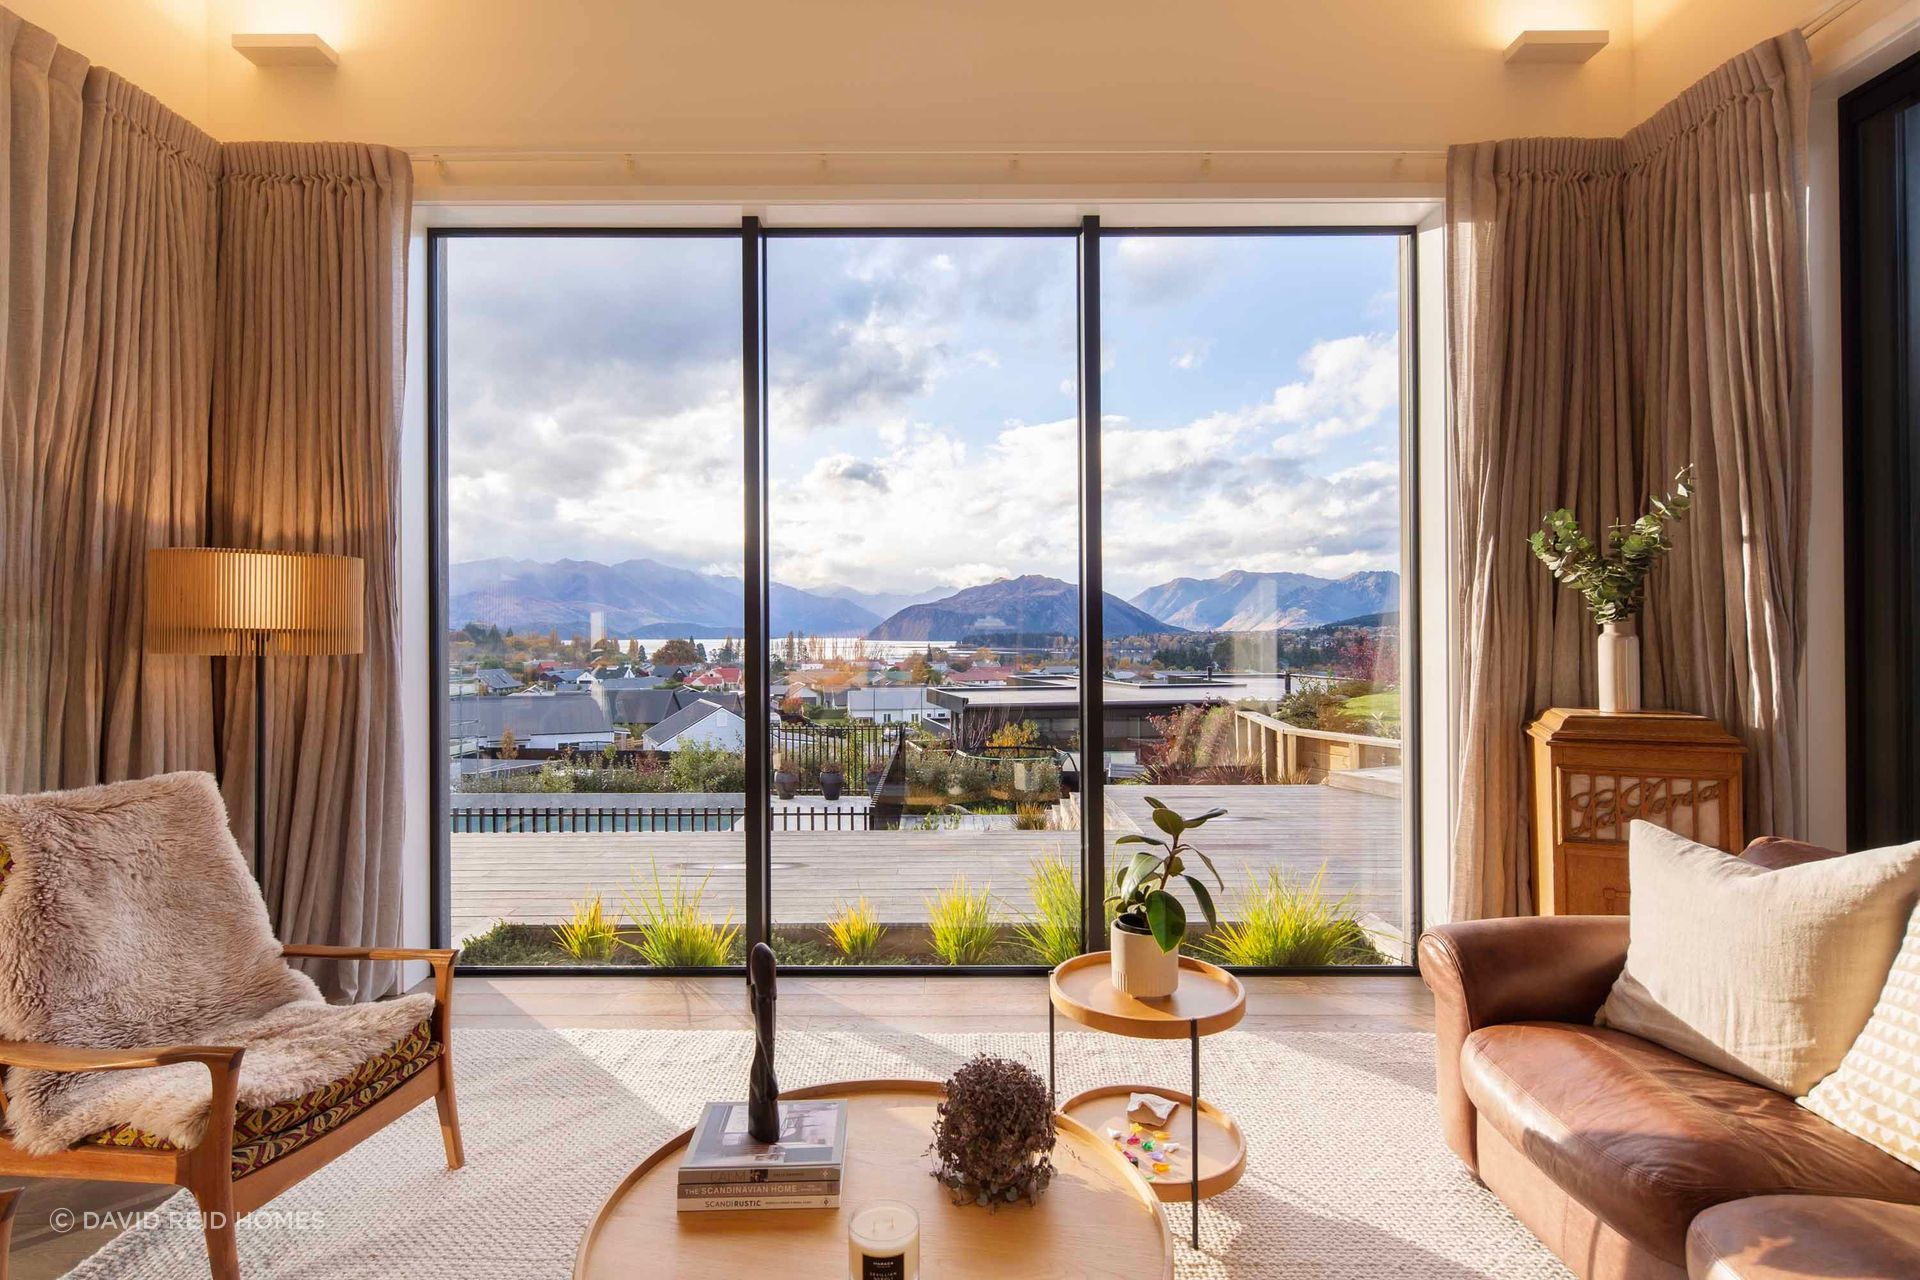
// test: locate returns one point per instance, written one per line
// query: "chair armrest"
(441, 959)
(222, 1063)
(1528, 969)
(60, 1057)
(432, 955)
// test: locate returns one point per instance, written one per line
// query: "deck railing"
(614, 819)
(1291, 752)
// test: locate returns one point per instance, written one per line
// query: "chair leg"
(449, 1114)
(217, 1222)
(9, 1200)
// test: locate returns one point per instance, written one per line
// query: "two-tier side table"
(1208, 999)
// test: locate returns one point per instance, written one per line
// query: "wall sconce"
(1531, 47)
(297, 50)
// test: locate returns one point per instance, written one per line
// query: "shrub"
(590, 935)
(1030, 817)
(855, 931)
(700, 768)
(1282, 922)
(1052, 934)
(504, 944)
(960, 922)
(674, 933)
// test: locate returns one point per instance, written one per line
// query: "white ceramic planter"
(1140, 968)
(1619, 667)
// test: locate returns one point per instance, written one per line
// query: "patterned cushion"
(1875, 1092)
(264, 1134)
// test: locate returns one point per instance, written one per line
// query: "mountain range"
(652, 600)
(1030, 605)
(1247, 601)
(639, 598)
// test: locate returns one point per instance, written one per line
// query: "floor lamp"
(258, 604)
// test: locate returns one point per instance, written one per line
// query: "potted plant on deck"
(833, 780)
(785, 780)
(1613, 580)
(1150, 923)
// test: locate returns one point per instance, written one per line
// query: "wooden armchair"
(265, 1129)
(222, 1172)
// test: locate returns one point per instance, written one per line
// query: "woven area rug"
(1347, 1176)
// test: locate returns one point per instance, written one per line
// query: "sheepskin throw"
(129, 919)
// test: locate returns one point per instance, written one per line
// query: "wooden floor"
(1370, 1002)
(1355, 835)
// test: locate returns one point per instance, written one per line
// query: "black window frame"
(754, 239)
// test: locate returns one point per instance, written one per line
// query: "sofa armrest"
(1528, 969)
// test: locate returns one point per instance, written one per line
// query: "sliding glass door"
(907, 753)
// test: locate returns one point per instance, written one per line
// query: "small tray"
(1223, 1150)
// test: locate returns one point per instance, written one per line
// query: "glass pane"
(594, 693)
(922, 515)
(1251, 515)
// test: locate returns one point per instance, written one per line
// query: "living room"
(890, 640)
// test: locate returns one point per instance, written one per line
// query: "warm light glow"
(1508, 18)
(220, 600)
(327, 19)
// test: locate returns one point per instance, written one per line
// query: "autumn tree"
(509, 745)
(677, 653)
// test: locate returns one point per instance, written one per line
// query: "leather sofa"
(1630, 1161)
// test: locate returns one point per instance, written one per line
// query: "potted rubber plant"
(1149, 923)
(1612, 579)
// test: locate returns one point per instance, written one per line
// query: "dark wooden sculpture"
(763, 1096)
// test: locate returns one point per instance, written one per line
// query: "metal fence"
(617, 819)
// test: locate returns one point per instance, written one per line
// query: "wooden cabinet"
(1595, 772)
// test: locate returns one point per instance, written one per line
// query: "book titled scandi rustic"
(812, 1145)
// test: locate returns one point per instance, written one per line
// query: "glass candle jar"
(883, 1242)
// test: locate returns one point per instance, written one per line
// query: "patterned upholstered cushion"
(1875, 1092)
(264, 1134)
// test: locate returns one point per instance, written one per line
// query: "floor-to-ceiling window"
(595, 712)
(1251, 519)
(917, 468)
(922, 513)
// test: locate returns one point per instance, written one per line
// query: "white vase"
(1139, 967)
(1619, 667)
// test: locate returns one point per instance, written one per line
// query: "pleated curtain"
(1619, 308)
(310, 354)
(203, 346)
(110, 223)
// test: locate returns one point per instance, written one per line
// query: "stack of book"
(724, 1168)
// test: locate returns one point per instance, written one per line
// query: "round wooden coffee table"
(1097, 1219)
(1208, 999)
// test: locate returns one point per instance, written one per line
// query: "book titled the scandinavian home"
(724, 1168)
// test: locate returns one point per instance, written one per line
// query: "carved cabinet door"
(1595, 773)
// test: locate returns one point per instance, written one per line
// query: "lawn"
(1384, 705)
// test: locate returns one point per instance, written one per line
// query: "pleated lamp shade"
(218, 600)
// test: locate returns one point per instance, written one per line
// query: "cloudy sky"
(922, 405)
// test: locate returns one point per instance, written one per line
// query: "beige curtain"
(306, 424)
(1620, 307)
(109, 219)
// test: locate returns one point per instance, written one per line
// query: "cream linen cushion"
(1766, 975)
(1875, 1093)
